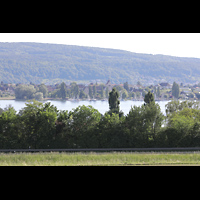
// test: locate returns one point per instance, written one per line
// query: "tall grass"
(105, 159)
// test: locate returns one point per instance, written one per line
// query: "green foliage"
(175, 90)
(144, 124)
(36, 62)
(94, 91)
(63, 90)
(74, 90)
(43, 89)
(114, 101)
(111, 134)
(9, 123)
(183, 121)
(38, 96)
(40, 125)
(158, 92)
(132, 94)
(90, 92)
(25, 92)
(174, 106)
(107, 92)
(149, 97)
(81, 127)
(102, 91)
(82, 95)
(119, 88)
(124, 94)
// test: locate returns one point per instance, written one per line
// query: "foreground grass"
(105, 159)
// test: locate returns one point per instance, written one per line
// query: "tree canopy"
(41, 125)
(149, 98)
(63, 90)
(114, 101)
(175, 90)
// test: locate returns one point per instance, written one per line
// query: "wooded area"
(51, 63)
(41, 125)
(95, 91)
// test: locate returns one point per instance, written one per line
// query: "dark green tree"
(82, 127)
(82, 95)
(107, 92)
(175, 90)
(43, 89)
(102, 92)
(37, 121)
(158, 92)
(9, 134)
(63, 90)
(94, 91)
(114, 101)
(149, 97)
(110, 130)
(135, 124)
(90, 92)
(74, 90)
(144, 123)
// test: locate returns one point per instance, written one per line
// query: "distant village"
(100, 91)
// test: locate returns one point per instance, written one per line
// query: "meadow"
(100, 159)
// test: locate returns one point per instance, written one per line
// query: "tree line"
(40, 125)
(38, 92)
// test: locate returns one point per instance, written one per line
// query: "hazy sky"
(175, 44)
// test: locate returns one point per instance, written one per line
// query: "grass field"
(98, 159)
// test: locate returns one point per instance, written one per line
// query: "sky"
(174, 44)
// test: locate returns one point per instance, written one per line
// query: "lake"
(101, 106)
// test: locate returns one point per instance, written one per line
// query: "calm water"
(101, 106)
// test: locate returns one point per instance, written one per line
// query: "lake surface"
(101, 106)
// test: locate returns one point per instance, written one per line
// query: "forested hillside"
(39, 62)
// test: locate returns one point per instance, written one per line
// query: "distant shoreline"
(52, 99)
(7, 98)
(60, 99)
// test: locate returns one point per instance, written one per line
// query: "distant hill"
(39, 62)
